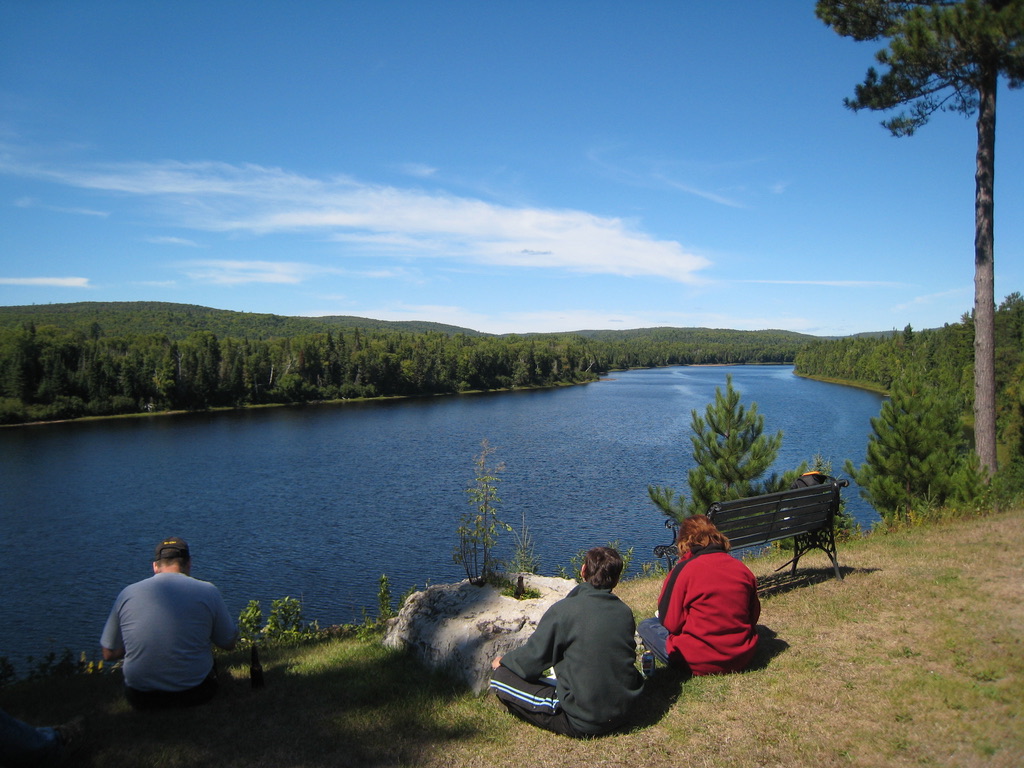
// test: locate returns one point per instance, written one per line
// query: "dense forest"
(177, 321)
(943, 356)
(92, 359)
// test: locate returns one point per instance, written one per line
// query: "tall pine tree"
(947, 56)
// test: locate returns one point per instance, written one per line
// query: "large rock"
(461, 628)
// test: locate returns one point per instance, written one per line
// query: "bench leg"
(823, 540)
(835, 564)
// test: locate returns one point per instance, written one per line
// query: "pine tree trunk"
(984, 277)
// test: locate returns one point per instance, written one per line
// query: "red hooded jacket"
(712, 614)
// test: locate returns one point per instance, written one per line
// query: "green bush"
(1008, 484)
(284, 626)
(250, 623)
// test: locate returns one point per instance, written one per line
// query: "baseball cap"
(172, 547)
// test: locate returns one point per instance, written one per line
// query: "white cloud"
(417, 170)
(393, 273)
(412, 223)
(174, 241)
(56, 282)
(222, 272)
(31, 202)
(421, 224)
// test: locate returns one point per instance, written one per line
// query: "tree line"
(48, 373)
(73, 367)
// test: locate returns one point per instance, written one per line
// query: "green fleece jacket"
(588, 637)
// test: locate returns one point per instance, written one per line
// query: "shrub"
(284, 626)
(478, 529)
(524, 552)
(250, 623)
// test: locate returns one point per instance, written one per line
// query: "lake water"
(317, 502)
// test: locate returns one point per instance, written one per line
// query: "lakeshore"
(866, 386)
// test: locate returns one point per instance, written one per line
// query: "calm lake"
(317, 502)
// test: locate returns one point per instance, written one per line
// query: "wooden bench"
(807, 515)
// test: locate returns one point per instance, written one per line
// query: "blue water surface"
(317, 502)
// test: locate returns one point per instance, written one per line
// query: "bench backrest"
(774, 516)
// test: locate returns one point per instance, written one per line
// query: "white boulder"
(461, 628)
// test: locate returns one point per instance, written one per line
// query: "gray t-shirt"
(166, 625)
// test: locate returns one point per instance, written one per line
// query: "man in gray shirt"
(163, 627)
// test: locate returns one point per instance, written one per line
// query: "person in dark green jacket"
(587, 639)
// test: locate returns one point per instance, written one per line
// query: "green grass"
(915, 659)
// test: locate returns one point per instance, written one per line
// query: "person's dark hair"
(698, 532)
(602, 567)
(181, 562)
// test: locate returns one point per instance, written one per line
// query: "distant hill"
(875, 335)
(689, 335)
(177, 321)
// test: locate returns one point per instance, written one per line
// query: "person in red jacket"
(708, 609)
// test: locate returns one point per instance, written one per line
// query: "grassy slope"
(916, 658)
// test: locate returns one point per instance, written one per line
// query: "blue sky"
(503, 166)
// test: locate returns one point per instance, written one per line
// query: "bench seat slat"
(755, 539)
(791, 527)
(809, 519)
(811, 514)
